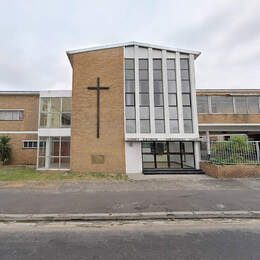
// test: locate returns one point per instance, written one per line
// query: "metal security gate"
(168, 155)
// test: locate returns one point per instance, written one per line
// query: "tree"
(5, 149)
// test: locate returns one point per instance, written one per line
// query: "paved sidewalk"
(182, 193)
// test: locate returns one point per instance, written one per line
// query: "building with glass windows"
(132, 109)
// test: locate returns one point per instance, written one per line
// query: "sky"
(35, 35)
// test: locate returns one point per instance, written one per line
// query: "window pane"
(145, 126)
(202, 103)
(65, 146)
(65, 163)
(130, 112)
(129, 74)
(185, 86)
(44, 104)
(41, 163)
(161, 161)
(129, 63)
(173, 113)
(143, 64)
(130, 86)
(175, 161)
(161, 147)
(170, 64)
(144, 99)
(143, 74)
(184, 74)
(174, 126)
(222, 104)
(158, 86)
(66, 104)
(253, 107)
(55, 104)
(172, 100)
(159, 113)
(172, 86)
(187, 147)
(157, 75)
(186, 99)
(130, 99)
(144, 112)
(157, 64)
(54, 120)
(171, 74)
(188, 160)
(65, 119)
(54, 162)
(55, 146)
(130, 126)
(188, 126)
(184, 64)
(144, 86)
(148, 165)
(147, 147)
(187, 113)
(158, 100)
(43, 120)
(148, 157)
(240, 103)
(159, 126)
(174, 147)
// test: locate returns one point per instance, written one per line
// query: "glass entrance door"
(172, 155)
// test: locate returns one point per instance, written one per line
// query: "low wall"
(230, 171)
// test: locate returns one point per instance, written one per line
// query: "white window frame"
(12, 110)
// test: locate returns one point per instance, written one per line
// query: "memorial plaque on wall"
(97, 159)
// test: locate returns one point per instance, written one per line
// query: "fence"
(226, 152)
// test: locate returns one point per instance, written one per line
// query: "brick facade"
(30, 104)
(86, 149)
(230, 171)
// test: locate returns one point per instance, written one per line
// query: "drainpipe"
(208, 144)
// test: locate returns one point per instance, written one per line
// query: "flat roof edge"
(36, 93)
(228, 90)
(148, 45)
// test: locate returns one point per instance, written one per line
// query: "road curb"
(129, 216)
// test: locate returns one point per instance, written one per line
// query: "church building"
(132, 109)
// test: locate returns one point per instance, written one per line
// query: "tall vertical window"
(172, 96)
(144, 96)
(130, 96)
(158, 96)
(186, 96)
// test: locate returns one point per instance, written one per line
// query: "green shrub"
(5, 150)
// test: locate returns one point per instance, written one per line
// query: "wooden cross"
(98, 88)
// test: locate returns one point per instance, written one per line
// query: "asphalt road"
(138, 240)
(144, 196)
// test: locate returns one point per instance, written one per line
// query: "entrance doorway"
(174, 155)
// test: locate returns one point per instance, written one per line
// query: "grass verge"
(28, 174)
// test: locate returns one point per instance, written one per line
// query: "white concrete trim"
(18, 132)
(56, 93)
(193, 95)
(151, 93)
(124, 44)
(179, 93)
(229, 125)
(13, 109)
(54, 131)
(29, 93)
(137, 95)
(165, 92)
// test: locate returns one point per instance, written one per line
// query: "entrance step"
(172, 171)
